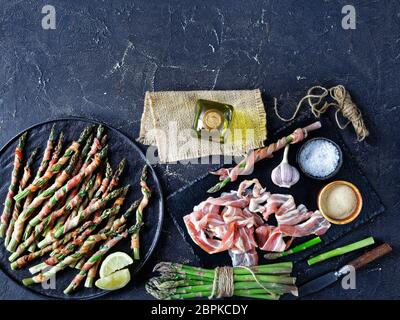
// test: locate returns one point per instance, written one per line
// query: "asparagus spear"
(56, 154)
(97, 145)
(47, 153)
(87, 147)
(33, 246)
(119, 202)
(117, 227)
(185, 270)
(157, 287)
(74, 244)
(300, 247)
(111, 225)
(246, 165)
(80, 263)
(72, 149)
(13, 188)
(24, 260)
(116, 177)
(342, 250)
(45, 164)
(18, 204)
(62, 213)
(96, 186)
(83, 216)
(71, 184)
(54, 158)
(104, 183)
(135, 245)
(61, 202)
(28, 211)
(49, 221)
(179, 281)
(86, 247)
(94, 258)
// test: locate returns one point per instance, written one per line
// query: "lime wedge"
(114, 262)
(115, 281)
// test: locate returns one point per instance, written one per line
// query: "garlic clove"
(285, 175)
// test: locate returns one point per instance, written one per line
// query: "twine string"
(342, 102)
(223, 283)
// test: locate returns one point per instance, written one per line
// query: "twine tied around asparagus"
(223, 283)
(342, 102)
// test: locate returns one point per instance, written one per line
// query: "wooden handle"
(370, 256)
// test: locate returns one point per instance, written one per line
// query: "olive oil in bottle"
(212, 120)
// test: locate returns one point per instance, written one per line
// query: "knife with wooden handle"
(331, 277)
(370, 256)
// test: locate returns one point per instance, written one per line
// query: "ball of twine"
(342, 102)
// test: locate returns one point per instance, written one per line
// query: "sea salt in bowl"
(320, 158)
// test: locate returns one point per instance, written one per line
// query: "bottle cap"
(212, 119)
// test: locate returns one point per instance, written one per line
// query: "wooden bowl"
(356, 211)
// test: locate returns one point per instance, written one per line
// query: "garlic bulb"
(285, 175)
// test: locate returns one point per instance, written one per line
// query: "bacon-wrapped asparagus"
(135, 245)
(75, 242)
(24, 260)
(28, 211)
(65, 175)
(104, 183)
(18, 204)
(13, 188)
(48, 221)
(71, 184)
(90, 266)
(56, 153)
(245, 167)
(54, 158)
(83, 216)
(117, 175)
(50, 157)
(83, 251)
(93, 259)
(72, 149)
(97, 144)
(109, 226)
(47, 153)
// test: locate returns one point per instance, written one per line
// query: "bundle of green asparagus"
(70, 209)
(178, 281)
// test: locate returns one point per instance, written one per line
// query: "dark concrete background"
(104, 55)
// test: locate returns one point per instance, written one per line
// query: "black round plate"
(120, 146)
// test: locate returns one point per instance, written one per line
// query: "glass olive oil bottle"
(212, 120)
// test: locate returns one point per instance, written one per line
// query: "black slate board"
(120, 146)
(305, 191)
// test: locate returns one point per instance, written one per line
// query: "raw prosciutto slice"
(233, 222)
(317, 224)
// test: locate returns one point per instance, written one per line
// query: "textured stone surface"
(103, 56)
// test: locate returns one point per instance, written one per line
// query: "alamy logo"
(50, 282)
(349, 278)
(49, 20)
(349, 20)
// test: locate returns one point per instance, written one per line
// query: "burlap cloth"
(167, 122)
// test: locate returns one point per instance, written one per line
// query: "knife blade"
(329, 278)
